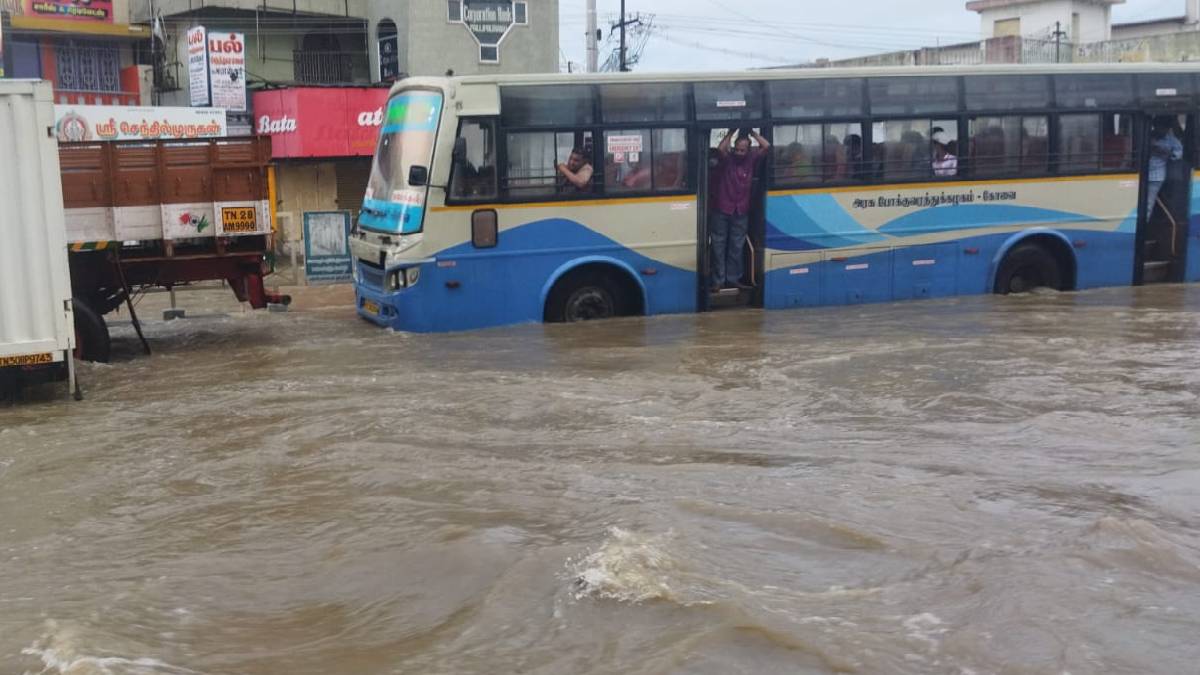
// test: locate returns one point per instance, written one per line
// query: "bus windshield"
(406, 140)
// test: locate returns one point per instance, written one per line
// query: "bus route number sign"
(239, 219)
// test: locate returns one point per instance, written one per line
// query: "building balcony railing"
(79, 97)
(324, 67)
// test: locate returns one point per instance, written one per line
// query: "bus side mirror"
(459, 154)
(485, 228)
(418, 176)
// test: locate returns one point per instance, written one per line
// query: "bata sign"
(320, 122)
(122, 123)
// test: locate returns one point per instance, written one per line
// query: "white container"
(36, 321)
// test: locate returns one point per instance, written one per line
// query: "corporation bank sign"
(489, 21)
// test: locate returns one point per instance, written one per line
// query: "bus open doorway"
(1166, 167)
(744, 289)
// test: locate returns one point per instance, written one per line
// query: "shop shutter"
(352, 177)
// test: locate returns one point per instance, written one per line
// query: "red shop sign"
(320, 122)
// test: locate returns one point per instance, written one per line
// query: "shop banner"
(320, 122)
(124, 123)
(197, 63)
(100, 11)
(227, 70)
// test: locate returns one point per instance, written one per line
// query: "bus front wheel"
(582, 296)
(1027, 267)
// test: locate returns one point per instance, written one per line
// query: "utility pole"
(593, 37)
(624, 66)
(1058, 36)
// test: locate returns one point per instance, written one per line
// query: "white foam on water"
(59, 651)
(628, 567)
(926, 629)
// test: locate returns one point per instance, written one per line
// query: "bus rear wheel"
(1026, 267)
(583, 296)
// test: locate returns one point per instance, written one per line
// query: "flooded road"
(975, 485)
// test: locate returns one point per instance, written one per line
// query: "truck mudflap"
(250, 288)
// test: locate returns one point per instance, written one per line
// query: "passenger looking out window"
(945, 161)
(575, 173)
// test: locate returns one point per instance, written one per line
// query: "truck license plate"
(371, 307)
(26, 360)
(239, 219)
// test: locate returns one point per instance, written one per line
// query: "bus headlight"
(403, 278)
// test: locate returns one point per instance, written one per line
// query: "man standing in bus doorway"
(731, 207)
(1164, 147)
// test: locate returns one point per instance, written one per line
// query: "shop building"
(91, 52)
(317, 73)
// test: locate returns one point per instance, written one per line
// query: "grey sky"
(734, 34)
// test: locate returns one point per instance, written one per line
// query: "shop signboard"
(94, 11)
(389, 52)
(129, 123)
(227, 70)
(489, 21)
(320, 122)
(197, 63)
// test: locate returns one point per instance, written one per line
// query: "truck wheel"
(581, 297)
(92, 342)
(1027, 267)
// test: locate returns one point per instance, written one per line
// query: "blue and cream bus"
(468, 222)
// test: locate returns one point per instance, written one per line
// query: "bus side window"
(1009, 146)
(1078, 138)
(475, 173)
(1117, 142)
(905, 152)
(533, 160)
(643, 160)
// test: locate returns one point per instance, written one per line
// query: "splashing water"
(628, 567)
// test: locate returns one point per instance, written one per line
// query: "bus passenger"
(731, 206)
(1164, 147)
(576, 174)
(854, 155)
(945, 163)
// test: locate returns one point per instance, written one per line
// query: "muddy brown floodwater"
(975, 485)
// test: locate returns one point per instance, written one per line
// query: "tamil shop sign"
(126, 123)
(216, 69)
(227, 70)
(197, 63)
(71, 10)
(489, 21)
(320, 122)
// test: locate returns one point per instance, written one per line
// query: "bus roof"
(818, 73)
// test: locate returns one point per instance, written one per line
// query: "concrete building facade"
(1075, 20)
